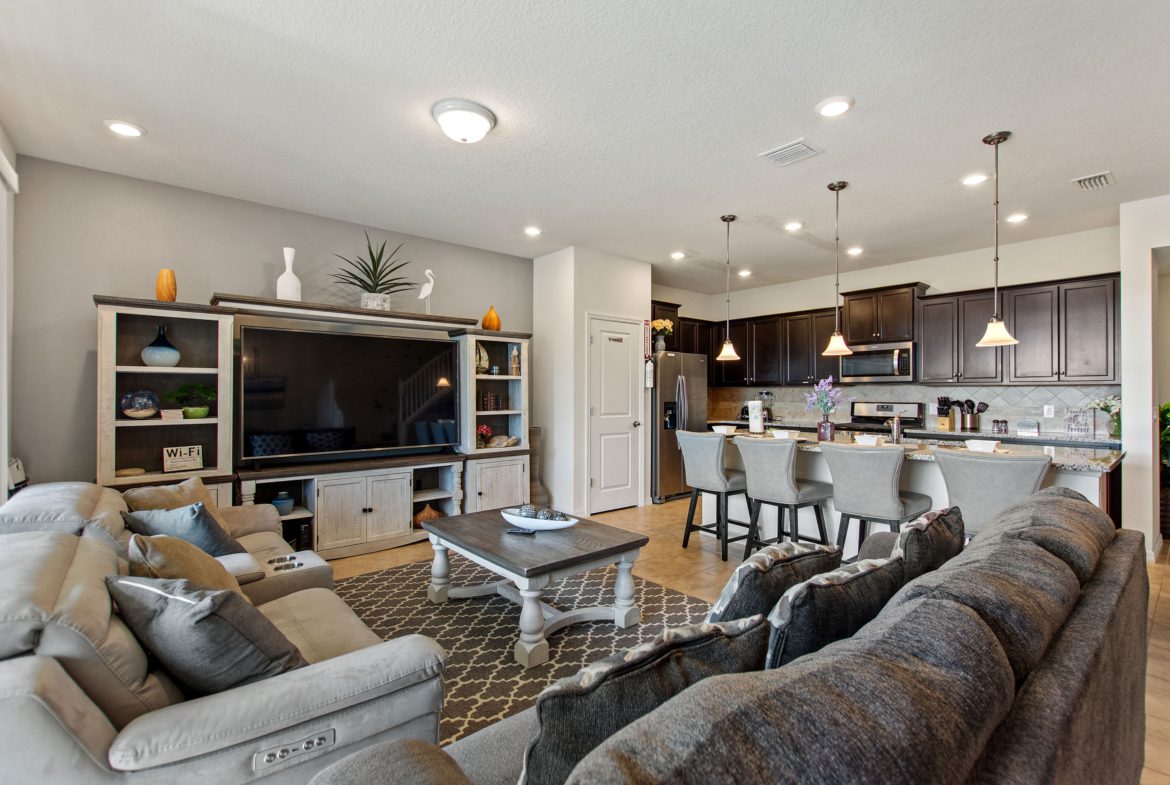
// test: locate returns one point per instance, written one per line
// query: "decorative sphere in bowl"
(512, 516)
(139, 404)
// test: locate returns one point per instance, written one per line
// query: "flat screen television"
(317, 395)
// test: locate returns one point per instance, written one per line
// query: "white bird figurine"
(426, 289)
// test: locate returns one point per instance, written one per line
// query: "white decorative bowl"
(776, 434)
(982, 445)
(869, 439)
(512, 516)
(726, 430)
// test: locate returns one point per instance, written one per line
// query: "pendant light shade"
(837, 346)
(728, 351)
(997, 332)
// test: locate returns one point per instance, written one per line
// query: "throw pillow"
(831, 606)
(162, 556)
(208, 640)
(760, 581)
(928, 542)
(577, 713)
(171, 497)
(193, 524)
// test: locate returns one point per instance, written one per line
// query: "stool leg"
(690, 516)
(842, 530)
(753, 538)
(794, 523)
(894, 525)
(723, 524)
(862, 532)
(821, 523)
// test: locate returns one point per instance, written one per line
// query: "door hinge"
(590, 411)
(590, 340)
(590, 482)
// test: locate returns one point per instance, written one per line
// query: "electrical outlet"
(1049, 410)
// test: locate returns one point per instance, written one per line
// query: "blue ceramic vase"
(161, 353)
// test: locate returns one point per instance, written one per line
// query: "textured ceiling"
(626, 127)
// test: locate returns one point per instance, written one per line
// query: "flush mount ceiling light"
(855, 250)
(463, 121)
(837, 346)
(1015, 218)
(975, 179)
(532, 231)
(997, 333)
(123, 128)
(744, 273)
(835, 106)
(728, 351)
(793, 226)
(677, 255)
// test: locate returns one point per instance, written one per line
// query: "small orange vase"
(491, 320)
(165, 288)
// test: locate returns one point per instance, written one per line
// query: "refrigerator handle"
(680, 395)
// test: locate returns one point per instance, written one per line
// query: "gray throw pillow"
(831, 606)
(928, 542)
(761, 580)
(208, 640)
(193, 523)
(577, 713)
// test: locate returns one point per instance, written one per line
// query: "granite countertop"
(1054, 438)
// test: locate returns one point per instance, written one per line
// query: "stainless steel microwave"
(879, 362)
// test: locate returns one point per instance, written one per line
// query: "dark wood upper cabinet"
(805, 336)
(895, 315)
(859, 319)
(1088, 331)
(977, 364)
(880, 315)
(730, 373)
(938, 356)
(764, 354)
(1032, 318)
(664, 310)
(824, 323)
(693, 336)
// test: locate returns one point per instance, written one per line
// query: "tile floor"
(698, 571)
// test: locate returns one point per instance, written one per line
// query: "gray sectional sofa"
(1021, 661)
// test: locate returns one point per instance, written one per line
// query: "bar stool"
(703, 464)
(770, 465)
(982, 485)
(865, 487)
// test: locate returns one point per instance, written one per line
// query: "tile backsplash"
(1004, 403)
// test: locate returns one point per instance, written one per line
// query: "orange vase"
(491, 320)
(165, 288)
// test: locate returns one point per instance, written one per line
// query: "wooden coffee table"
(529, 564)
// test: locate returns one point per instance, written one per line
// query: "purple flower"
(824, 397)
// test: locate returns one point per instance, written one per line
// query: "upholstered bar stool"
(703, 464)
(982, 485)
(865, 487)
(770, 465)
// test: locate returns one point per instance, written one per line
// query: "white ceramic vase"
(288, 286)
(374, 301)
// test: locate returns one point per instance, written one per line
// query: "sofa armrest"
(250, 519)
(243, 566)
(214, 722)
(401, 762)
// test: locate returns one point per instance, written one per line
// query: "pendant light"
(837, 346)
(997, 333)
(728, 352)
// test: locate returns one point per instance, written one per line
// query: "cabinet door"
(1088, 337)
(895, 315)
(859, 319)
(502, 483)
(977, 364)
(389, 514)
(731, 373)
(938, 322)
(1031, 316)
(798, 349)
(341, 517)
(662, 310)
(763, 351)
(686, 335)
(823, 325)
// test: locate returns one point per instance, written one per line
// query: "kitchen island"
(1090, 472)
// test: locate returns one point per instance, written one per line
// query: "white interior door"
(615, 413)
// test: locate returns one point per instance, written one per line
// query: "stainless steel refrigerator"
(680, 403)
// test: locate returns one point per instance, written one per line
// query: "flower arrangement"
(662, 326)
(483, 432)
(1109, 405)
(824, 398)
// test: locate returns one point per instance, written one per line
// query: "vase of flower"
(483, 433)
(1113, 426)
(824, 398)
(826, 430)
(661, 328)
(1111, 406)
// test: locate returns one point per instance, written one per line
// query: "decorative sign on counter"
(182, 459)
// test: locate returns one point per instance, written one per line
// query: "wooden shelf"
(157, 421)
(163, 369)
(166, 477)
(497, 411)
(431, 494)
(487, 377)
(298, 513)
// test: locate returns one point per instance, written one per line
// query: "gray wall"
(81, 232)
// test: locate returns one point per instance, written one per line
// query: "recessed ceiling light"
(463, 121)
(677, 255)
(854, 251)
(975, 179)
(744, 273)
(793, 226)
(123, 128)
(835, 106)
(532, 231)
(1015, 218)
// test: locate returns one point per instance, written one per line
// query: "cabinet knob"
(480, 493)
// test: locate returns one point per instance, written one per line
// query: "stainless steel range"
(875, 416)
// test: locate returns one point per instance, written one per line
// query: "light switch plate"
(1049, 410)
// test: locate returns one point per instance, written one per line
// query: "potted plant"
(194, 398)
(375, 275)
(1112, 407)
(661, 329)
(824, 398)
(482, 434)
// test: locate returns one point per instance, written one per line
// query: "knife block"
(945, 422)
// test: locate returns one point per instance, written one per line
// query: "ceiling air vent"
(790, 153)
(1094, 182)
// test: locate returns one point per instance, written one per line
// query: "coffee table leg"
(440, 574)
(625, 613)
(532, 648)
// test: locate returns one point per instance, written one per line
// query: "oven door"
(879, 362)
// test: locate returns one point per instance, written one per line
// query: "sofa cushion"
(162, 556)
(494, 755)
(171, 497)
(319, 624)
(577, 713)
(758, 583)
(192, 523)
(927, 542)
(402, 760)
(831, 606)
(80, 508)
(208, 640)
(908, 702)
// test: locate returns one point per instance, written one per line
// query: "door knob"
(637, 424)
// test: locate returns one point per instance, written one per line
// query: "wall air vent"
(790, 153)
(1095, 182)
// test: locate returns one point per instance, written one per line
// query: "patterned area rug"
(484, 684)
